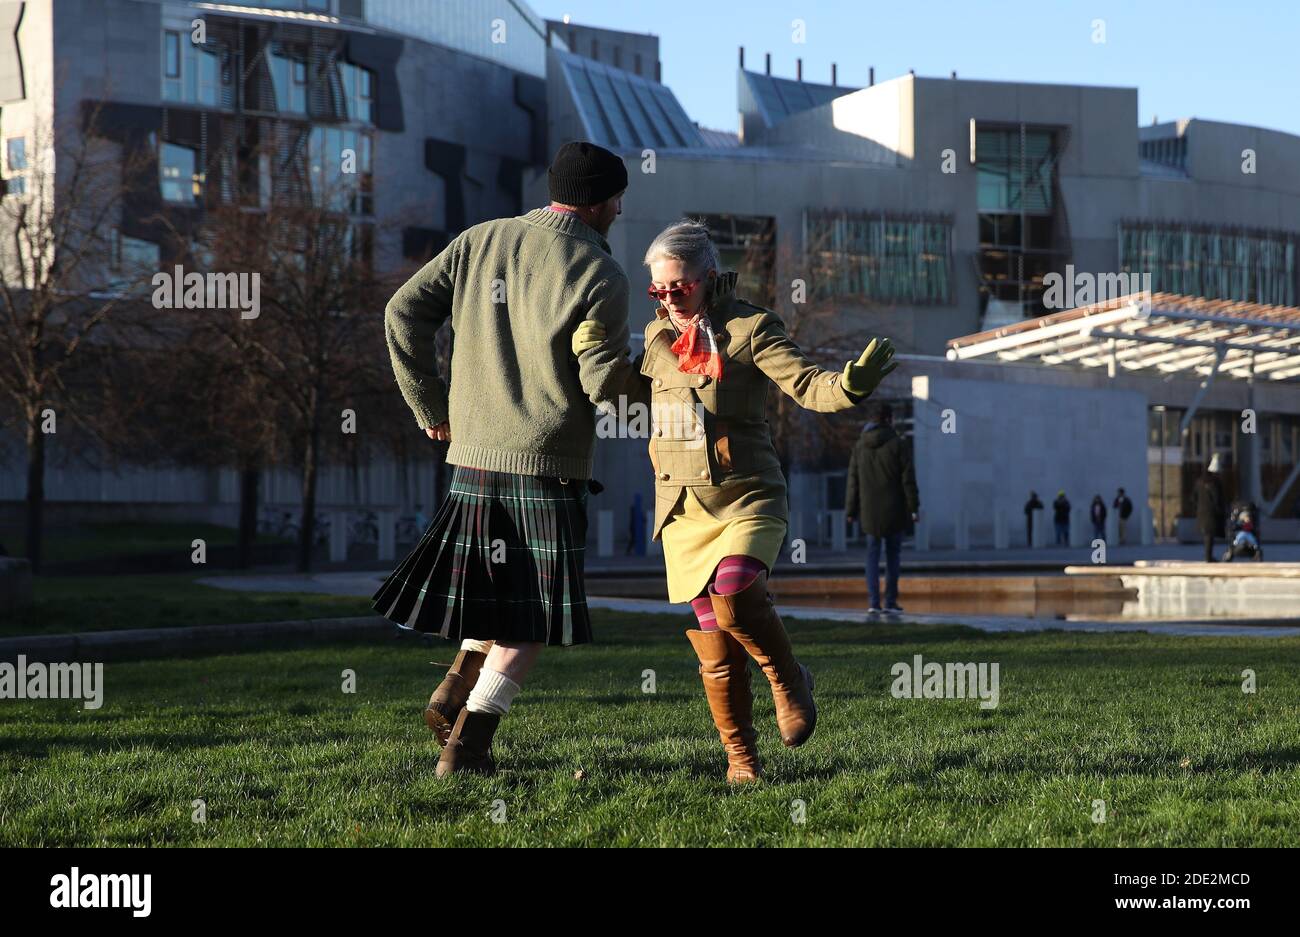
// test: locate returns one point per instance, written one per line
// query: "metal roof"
(620, 109)
(1164, 332)
(778, 98)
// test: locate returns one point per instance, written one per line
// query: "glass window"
(358, 90)
(16, 160)
(1215, 263)
(132, 262)
(289, 76)
(879, 256)
(178, 176)
(194, 74)
(16, 154)
(172, 55)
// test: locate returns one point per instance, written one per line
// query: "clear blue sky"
(1214, 59)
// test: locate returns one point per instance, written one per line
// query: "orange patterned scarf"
(697, 348)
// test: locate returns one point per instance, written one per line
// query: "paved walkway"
(364, 584)
(823, 559)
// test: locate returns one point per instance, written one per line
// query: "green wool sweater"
(514, 290)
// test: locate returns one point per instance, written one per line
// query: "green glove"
(587, 335)
(877, 360)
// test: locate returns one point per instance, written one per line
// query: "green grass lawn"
(1155, 726)
(64, 604)
(126, 538)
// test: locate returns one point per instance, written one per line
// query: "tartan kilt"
(502, 560)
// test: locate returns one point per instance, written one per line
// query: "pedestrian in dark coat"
(1061, 518)
(1097, 511)
(882, 496)
(1210, 506)
(1032, 505)
(1124, 505)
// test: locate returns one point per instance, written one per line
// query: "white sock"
(493, 693)
(480, 647)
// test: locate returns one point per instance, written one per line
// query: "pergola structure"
(1167, 333)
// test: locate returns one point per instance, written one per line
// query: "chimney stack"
(871, 76)
(833, 75)
(742, 56)
(767, 63)
(798, 69)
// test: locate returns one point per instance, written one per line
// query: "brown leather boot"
(469, 749)
(449, 698)
(751, 618)
(724, 667)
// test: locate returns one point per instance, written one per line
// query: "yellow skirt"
(695, 542)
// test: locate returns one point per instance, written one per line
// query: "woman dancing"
(720, 496)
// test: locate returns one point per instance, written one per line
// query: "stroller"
(1243, 532)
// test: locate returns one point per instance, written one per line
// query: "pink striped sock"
(736, 572)
(703, 608)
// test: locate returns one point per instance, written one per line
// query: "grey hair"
(689, 242)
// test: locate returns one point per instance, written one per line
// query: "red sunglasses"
(674, 293)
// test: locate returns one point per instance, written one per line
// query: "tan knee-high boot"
(450, 697)
(751, 618)
(724, 668)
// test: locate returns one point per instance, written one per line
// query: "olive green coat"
(713, 436)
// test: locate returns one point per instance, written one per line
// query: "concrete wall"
(1012, 437)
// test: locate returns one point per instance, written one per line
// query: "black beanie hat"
(585, 174)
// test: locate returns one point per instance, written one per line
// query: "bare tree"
(316, 348)
(58, 285)
(830, 327)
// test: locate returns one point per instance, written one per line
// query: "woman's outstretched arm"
(810, 386)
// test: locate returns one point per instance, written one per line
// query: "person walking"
(636, 527)
(1097, 513)
(881, 494)
(1061, 518)
(1210, 509)
(1032, 505)
(500, 568)
(1123, 506)
(720, 495)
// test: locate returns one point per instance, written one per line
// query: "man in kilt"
(500, 568)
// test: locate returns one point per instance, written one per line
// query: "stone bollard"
(921, 536)
(604, 532)
(1042, 524)
(338, 536)
(1001, 531)
(1080, 527)
(838, 539)
(387, 535)
(1146, 525)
